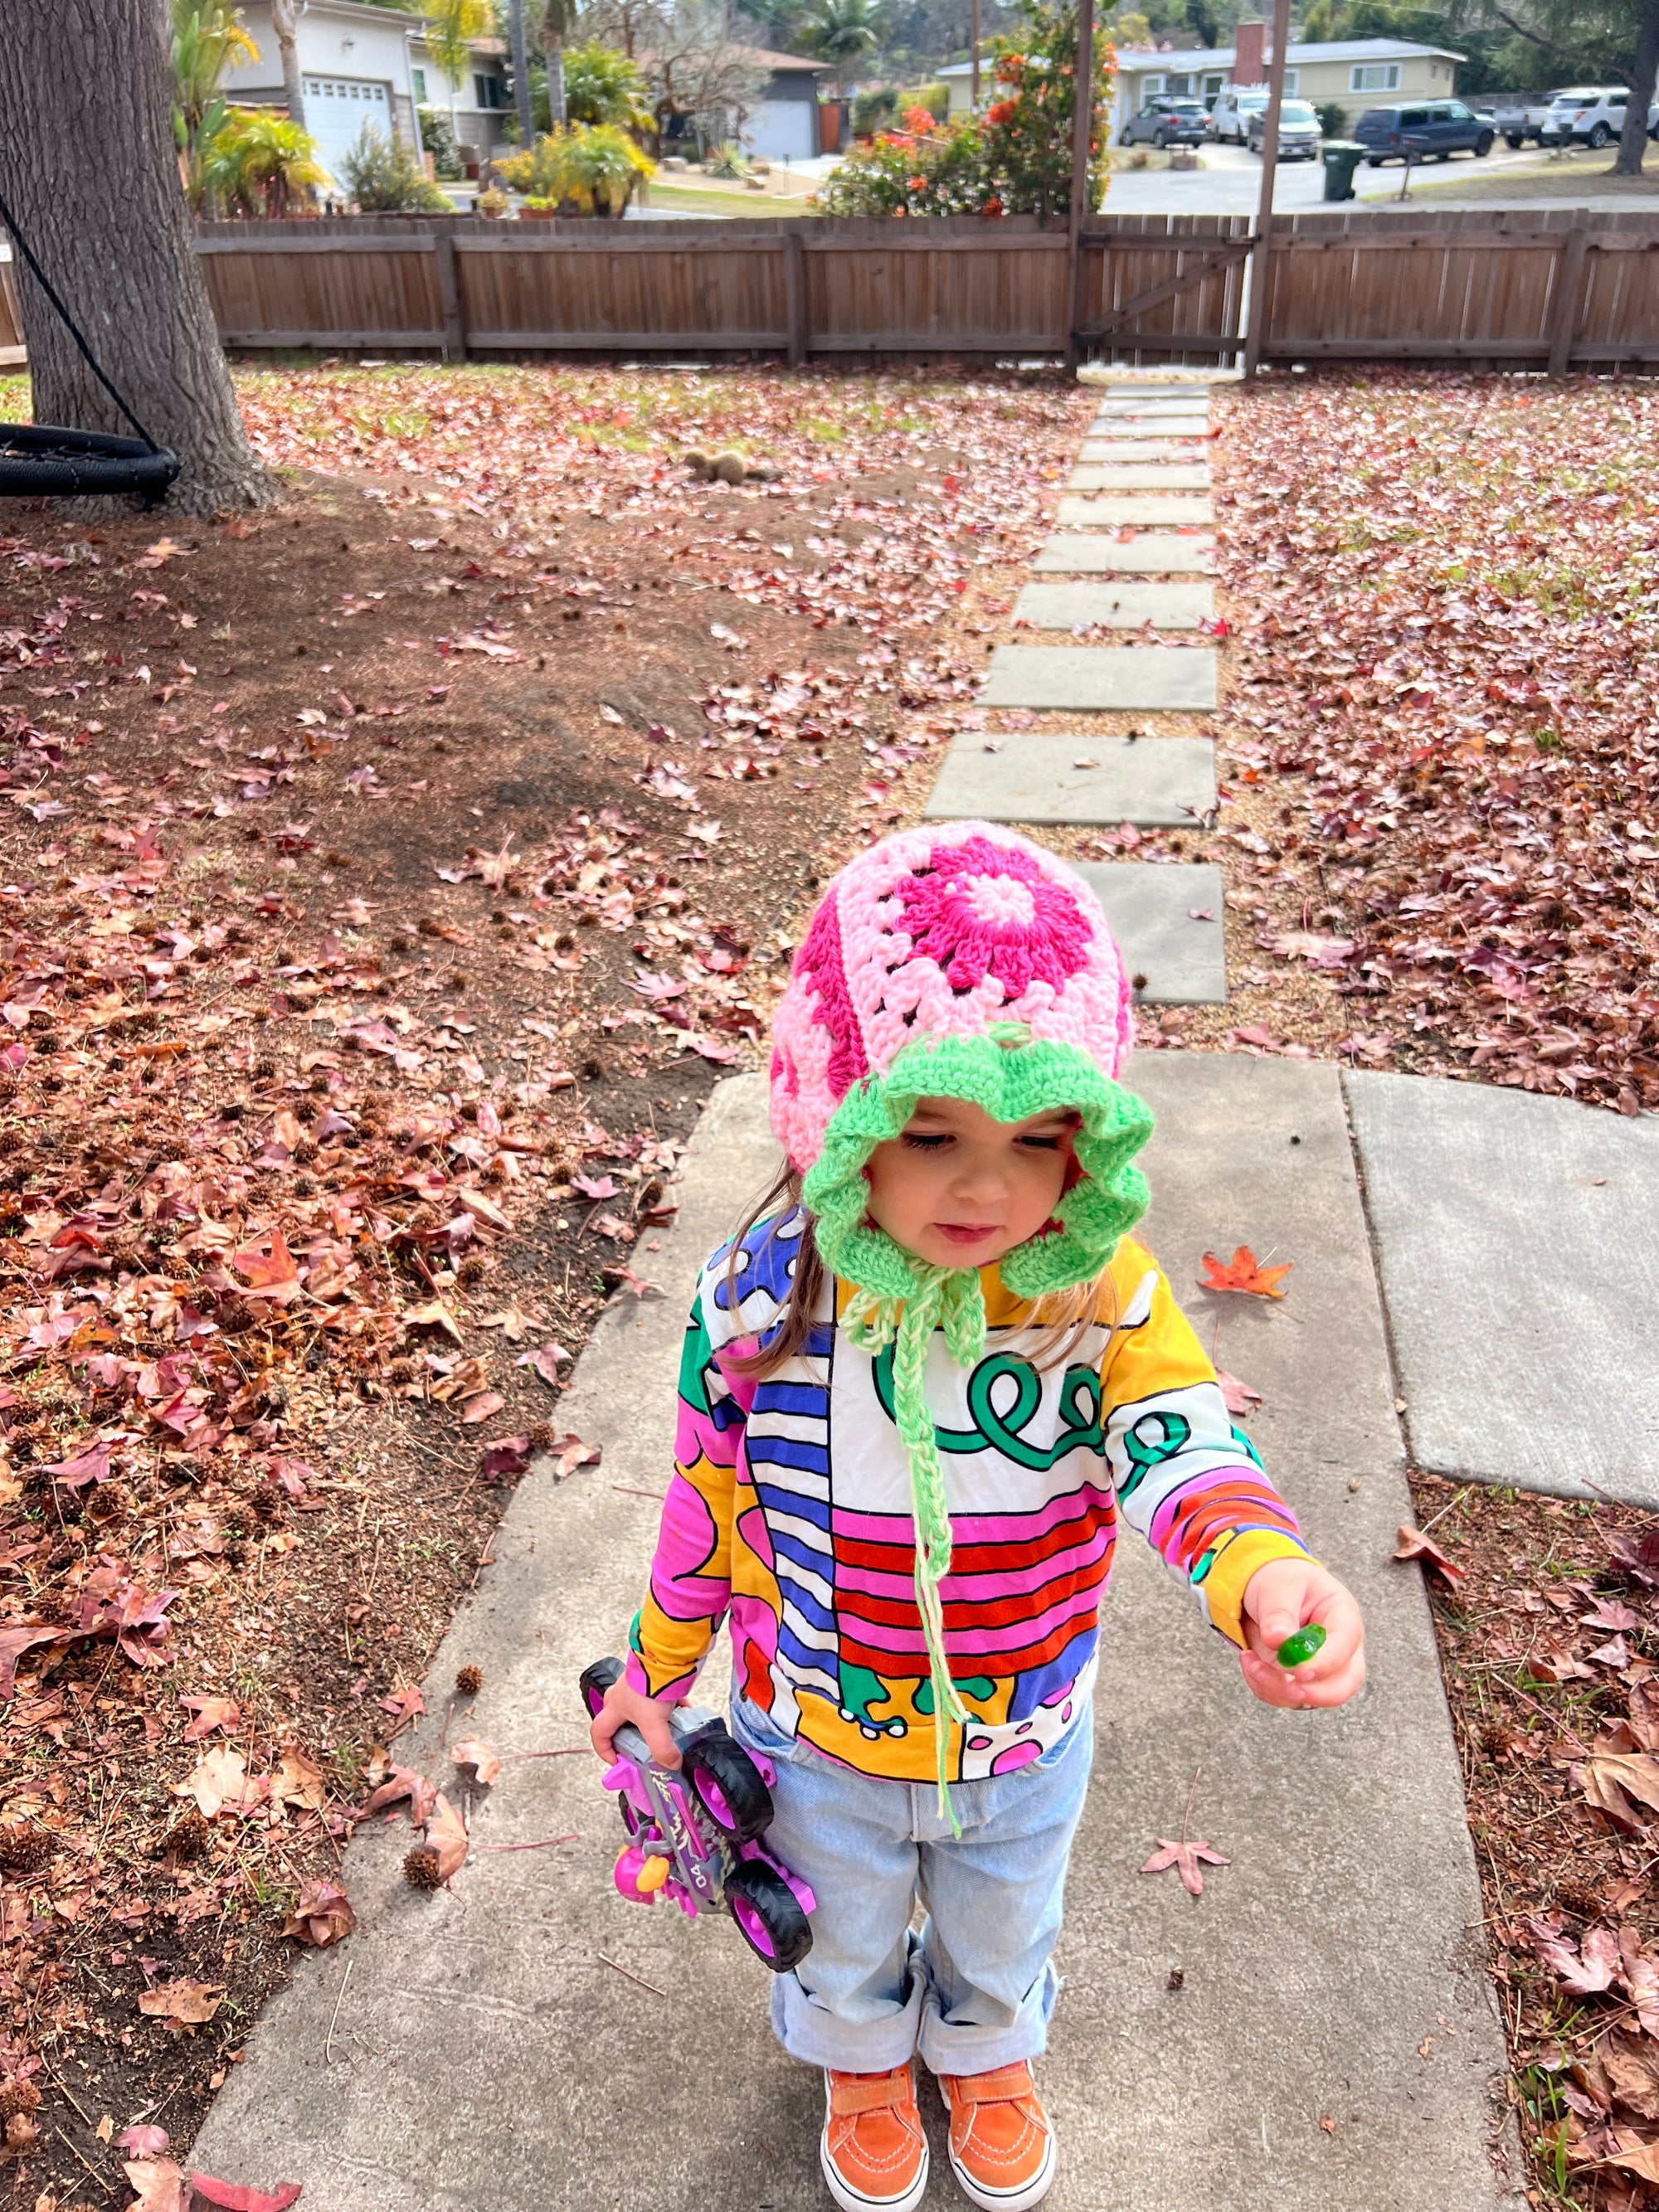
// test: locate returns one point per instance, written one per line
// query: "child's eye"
(926, 1141)
(1042, 1143)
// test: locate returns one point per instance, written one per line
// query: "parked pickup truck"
(1518, 117)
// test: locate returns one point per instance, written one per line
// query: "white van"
(1234, 104)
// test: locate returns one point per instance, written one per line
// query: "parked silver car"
(1590, 116)
(1299, 135)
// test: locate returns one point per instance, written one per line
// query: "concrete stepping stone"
(1149, 426)
(1154, 407)
(1088, 678)
(1514, 1238)
(1138, 475)
(1035, 776)
(1139, 449)
(1148, 555)
(1347, 1832)
(1097, 513)
(1142, 508)
(1116, 606)
(1168, 923)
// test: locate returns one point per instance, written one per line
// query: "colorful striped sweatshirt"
(789, 1511)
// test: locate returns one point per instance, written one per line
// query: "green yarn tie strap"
(951, 1298)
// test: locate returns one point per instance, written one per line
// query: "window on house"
(1374, 77)
(1150, 87)
(487, 91)
(417, 77)
(1293, 80)
(1180, 84)
(1212, 85)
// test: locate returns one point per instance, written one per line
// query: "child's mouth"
(966, 1232)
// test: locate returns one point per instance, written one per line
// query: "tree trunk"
(287, 45)
(557, 115)
(103, 210)
(520, 74)
(1633, 139)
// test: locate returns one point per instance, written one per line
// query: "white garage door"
(337, 108)
(782, 129)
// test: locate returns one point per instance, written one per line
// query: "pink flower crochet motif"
(936, 933)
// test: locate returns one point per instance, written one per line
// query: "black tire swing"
(37, 461)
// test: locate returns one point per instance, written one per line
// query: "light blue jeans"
(974, 1987)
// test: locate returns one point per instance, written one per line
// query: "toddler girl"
(919, 1387)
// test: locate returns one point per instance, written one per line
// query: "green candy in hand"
(1301, 1646)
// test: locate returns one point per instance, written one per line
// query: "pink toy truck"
(694, 1835)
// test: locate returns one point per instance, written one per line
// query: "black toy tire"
(727, 1784)
(596, 1680)
(773, 1904)
(39, 461)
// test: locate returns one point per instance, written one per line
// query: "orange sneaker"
(874, 2150)
(1002, 2148)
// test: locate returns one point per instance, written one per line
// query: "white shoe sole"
(854, 2200)
(1008, 2200)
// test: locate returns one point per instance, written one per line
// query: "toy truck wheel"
(728, 1785)
(596, 1680)
(769, 1915)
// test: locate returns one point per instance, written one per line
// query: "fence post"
(1563, 307)
(1083, 125)
(794, 295)
(1256, 336)
(449, 295)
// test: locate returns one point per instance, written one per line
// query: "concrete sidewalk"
(485, 2054)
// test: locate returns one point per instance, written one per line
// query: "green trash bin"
(1342, 156)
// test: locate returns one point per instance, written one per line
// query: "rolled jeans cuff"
(809, 2031)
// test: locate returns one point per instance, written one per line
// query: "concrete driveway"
(1229, 183)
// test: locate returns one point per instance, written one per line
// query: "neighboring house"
(1351, 73)
(361, 64)
(784, 124)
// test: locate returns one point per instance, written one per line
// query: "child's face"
(958, 1189)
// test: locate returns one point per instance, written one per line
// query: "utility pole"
(1264, 219)
(973, 81)
(1082, 119)
(520, 74)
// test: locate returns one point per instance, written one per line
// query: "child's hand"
(623, 1706)
(1278, 1599)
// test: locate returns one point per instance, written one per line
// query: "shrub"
(935, 98)
(592, 169)
(256, 163)
(874, 110)
(384, 177)
(1333, 120)
(1015, 159)
(725, 160)
(438, 138)
(604, 86)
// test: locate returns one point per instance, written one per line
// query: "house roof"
(764, 59)
(1332, 50)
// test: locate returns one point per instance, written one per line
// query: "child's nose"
(982, 1178)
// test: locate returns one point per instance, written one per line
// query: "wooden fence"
(1493, 288)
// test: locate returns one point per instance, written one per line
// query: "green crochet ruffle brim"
(1010, 1078)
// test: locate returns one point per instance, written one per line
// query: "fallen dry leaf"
(1238, 1396)
(477, 1756)
(161, 2184)
(145, 2140)
(211, 1713)
(322, 1915)
(221, 1779)
(192, 2002)
(446, 1833)
(1188, 1857)
(1243, 1273)
(238, 2197)
(1414, 1545)
(1582, 1972)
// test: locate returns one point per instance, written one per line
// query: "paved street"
(1229, 183)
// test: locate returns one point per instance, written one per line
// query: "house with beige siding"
(1352, 74)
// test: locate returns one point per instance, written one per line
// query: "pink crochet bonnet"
(957, 960)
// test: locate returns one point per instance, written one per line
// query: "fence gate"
(1170, 289)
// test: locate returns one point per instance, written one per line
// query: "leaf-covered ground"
(1549, 1639)
(1441, 731)
(385, 879)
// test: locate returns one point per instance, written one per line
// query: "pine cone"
(421, 1868)
(235, 1315)
(470, 1271)
(401, 1371)
(541, 1435)
(1579, 1898)
(19, 2097)
(190, 1837)
(469, 1680)
(25, 1847)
